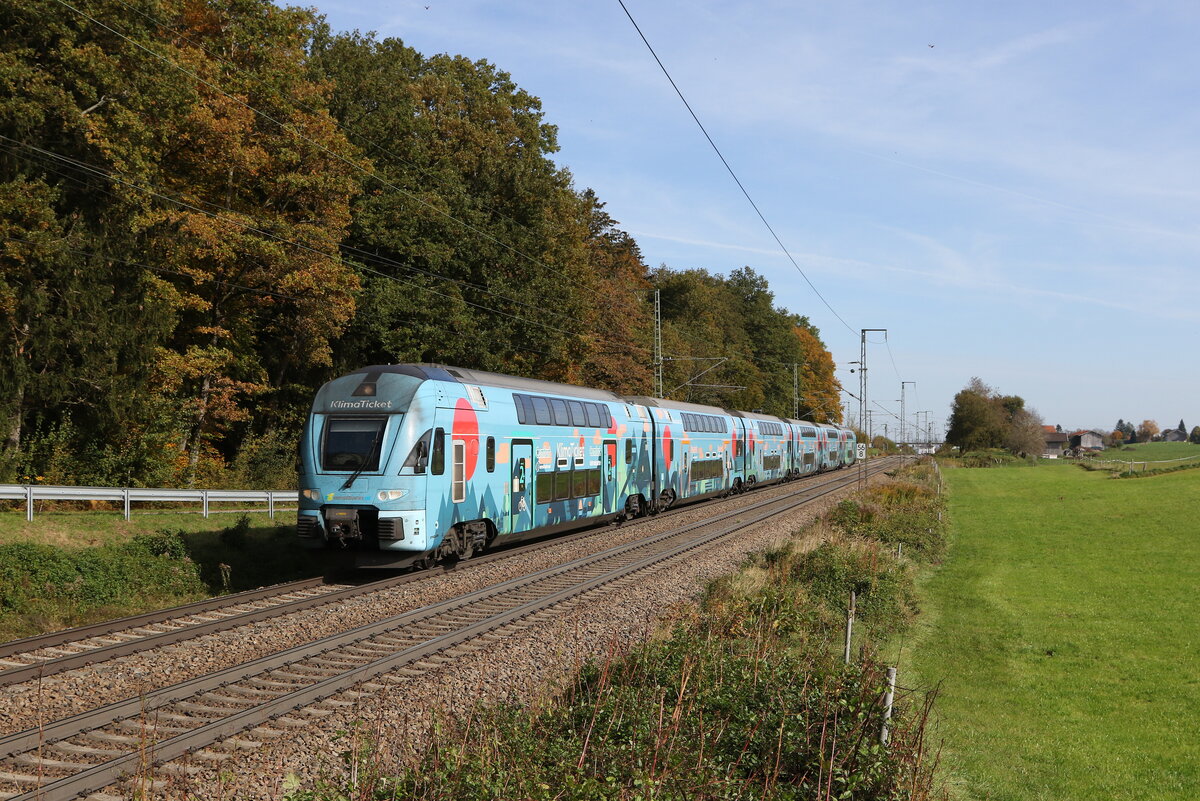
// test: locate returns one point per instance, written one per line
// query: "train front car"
(366, 456)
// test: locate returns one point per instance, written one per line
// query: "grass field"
(1152, 451)
(1064, 628)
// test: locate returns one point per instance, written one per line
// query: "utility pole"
(795, 391)
(902, 423)
(862, 373)
(928, 433)
(658, 354)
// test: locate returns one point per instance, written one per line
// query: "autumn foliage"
(209, 208)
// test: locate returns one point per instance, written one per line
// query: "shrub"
(41, 583)
(236, 536)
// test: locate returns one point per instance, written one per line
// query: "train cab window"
(561, 416)
(418, 457)
(628, 451)
(437, 464)
(578, 415)
(491, 454)
(541, 411)
(593, 414)
(352, 443)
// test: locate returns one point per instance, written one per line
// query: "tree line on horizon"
(210, 208)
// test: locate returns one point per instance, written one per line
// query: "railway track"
(85, 753)
(48, 654)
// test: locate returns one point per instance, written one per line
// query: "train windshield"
(352, 443)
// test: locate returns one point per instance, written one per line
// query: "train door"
(521, 487)
(608, 475)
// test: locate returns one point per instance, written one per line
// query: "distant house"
(1056, 442)
(1174, 435)
(1087, 441)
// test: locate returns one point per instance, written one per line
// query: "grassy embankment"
(742, 696)
(72, 568)
(1064, 631)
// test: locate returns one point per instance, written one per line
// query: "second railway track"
(84, 753)
(46, 655)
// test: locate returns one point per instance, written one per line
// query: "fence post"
(204, 497)
(270, 505)
(29, 504)
(125, 497)
(884, 734)
(849, 626)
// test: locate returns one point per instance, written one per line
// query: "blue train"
(425, 461)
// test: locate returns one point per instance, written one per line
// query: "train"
(417, 463)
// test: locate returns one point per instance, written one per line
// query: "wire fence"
(1131, 465)
(127, 496)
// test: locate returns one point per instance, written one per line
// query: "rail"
(30, 493)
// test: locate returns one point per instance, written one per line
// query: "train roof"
(462, 375)
(683, 406)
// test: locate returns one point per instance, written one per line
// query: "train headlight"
(311, 494)
(391, 495)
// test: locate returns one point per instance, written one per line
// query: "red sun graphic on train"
(466, 428)
(666, 448)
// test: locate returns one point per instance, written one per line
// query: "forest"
(210, 207)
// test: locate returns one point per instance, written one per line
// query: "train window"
(458, 472)
(491, 454)
(628, 451)
(670, 450)
(593, 414)
(606, 420)
(437, 464)
(545, 487)
(519, 404)
(687, 421)
(593, 482)
(578, 415)
(562, 485)
(579, 484)
(352, 443)
(541, 411)
(561, 416)
(418, 457)
(712, 424)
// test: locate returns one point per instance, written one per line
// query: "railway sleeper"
(53, 764)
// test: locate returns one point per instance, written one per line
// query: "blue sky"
(1019, 201)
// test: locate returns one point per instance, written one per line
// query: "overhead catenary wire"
(363, 256)
(731, 172)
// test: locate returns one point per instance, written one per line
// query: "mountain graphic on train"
(425, 462)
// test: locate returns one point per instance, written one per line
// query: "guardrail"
(129, 496)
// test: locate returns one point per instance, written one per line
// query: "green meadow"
(1064, 630)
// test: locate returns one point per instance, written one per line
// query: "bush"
(236, 536)
(42, 586)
